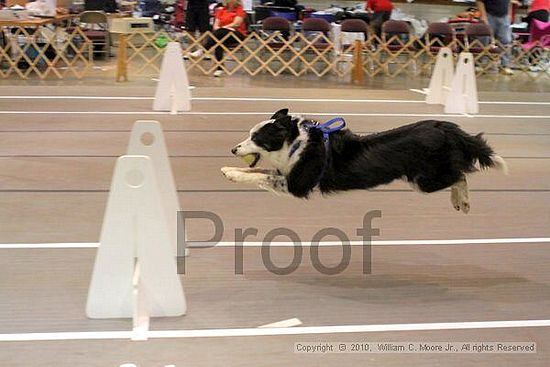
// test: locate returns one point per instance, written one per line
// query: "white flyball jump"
(455, 89)
(462, 97)
(135, 272)
(147, 139)
(172, 92)
(442, 76)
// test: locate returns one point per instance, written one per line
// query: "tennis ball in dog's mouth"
(251, 159)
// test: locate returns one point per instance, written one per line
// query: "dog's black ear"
(289, 127)
(283, 121)
(281, 113)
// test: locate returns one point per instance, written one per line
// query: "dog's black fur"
(432, 155)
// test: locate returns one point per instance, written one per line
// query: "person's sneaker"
(218, 73)
(196, 54)
(507, 71)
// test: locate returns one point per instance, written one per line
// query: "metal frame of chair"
(101, 36)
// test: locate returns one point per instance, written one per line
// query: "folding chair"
(97, 30)
(438, 35)
(351, 30)
(275, 44)
(277, 30)
(316, 45)
(397, 43)
(479, 40)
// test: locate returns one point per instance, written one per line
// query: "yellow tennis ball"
(249, 158)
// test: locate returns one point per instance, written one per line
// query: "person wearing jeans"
(496, 13)
(229, 19)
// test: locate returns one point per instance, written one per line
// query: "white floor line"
(420, 91)
(284, 323)
(461, 242)
(99, 98)
(6, 246)
(422, 115)
(272, 99)
(305, 330)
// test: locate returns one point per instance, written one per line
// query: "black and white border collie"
(431, 155)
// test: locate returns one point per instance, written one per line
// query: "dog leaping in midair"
(306, 155)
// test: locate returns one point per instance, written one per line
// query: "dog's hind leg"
(460, 195)
(454, 198)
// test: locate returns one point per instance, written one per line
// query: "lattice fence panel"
(43, 52)
(298, 54)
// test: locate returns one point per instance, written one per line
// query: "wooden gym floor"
(56, 160)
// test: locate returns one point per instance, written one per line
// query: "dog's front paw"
(227, 169)
(232, 174)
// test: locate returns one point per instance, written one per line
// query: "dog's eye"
(269, 139)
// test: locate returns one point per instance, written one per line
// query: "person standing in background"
(497, 13)
(382, 10)
(197, 16)
(515, 6)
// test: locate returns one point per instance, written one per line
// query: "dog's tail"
(486, 157)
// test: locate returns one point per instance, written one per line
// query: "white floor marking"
(421, 91)
(272, 99)
(99, 98)
(423, 115)
(305, 330)
(50, 245)
(481, 241)
(285, 323)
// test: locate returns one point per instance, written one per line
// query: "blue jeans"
(503, 33)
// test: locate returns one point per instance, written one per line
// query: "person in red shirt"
(538, 10)
(229, 18)
(382, 10)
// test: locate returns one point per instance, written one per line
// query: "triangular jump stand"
(135, 271)
(172, 92)
(441, 77)
(147, 139)
(462, 97)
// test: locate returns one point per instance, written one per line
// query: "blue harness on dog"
(327, 128)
